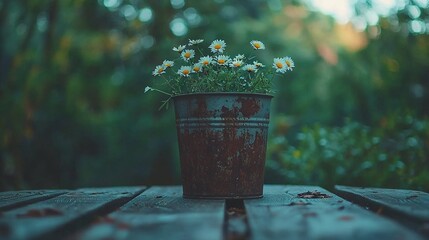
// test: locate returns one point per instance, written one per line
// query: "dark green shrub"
(395, 153)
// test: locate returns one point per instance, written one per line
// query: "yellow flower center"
(196, 69)
(279, 65)
(237, 64)
(160, 70)
(218, 46)
(206, 62)
(257, 45)
(185, 72)
(288, 63)
(221, 61)
(187, 55)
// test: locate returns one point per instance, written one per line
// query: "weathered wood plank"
(56, 216)
(409, 207)
(15, 199)
(281, 214)
(161, 213)
(408, 202)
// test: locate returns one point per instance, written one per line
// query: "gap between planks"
(160, 213)
(72, 228)
(16, 199)
(236, 217)
(236, 225)
(275, 216)
(63, 214)
(286, 210)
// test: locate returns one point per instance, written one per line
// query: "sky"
(343, 10)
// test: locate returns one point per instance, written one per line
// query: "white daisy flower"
(239, 57)
(160, 69)
(257, 44)
(195, 42)
(180, 48)
(217, 46)
(167, 63)
(205, 61)
(289, 63)
(198, 67)
(223, 60)
(187, 54)
(280, 65)
(184, 71)
(258, 64)
(236, 63)
(250, 68)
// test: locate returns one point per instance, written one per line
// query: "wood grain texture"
(281, 214)
(48, 219)
(14, 199)
(161, 213)
(408, 202)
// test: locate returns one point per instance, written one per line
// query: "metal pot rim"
(223, 93)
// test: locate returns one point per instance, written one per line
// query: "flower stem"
(166, 93)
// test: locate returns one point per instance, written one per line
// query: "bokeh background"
(73, 111)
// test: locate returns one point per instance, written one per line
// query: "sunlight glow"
(413, 11)
(417, 26)
(422, 3)
(129, 12)
(385, 7)
(145, 14)
(343, 12)
(112, 3)
(178, 27)
(192, 16)
(177, 4)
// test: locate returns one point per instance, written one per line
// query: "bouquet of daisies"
(218, 72)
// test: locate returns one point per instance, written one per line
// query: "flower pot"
(222, 143)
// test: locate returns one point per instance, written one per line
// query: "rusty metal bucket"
(222, 143)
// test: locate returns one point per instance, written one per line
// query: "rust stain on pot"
(249, 106)
(201, 109)
(228, 113)
(222, 144)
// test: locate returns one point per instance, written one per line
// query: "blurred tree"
(71, 99)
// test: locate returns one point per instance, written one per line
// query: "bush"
(394, 154)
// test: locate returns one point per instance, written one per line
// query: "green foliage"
(395, 153)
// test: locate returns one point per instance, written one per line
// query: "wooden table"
(160, 212)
